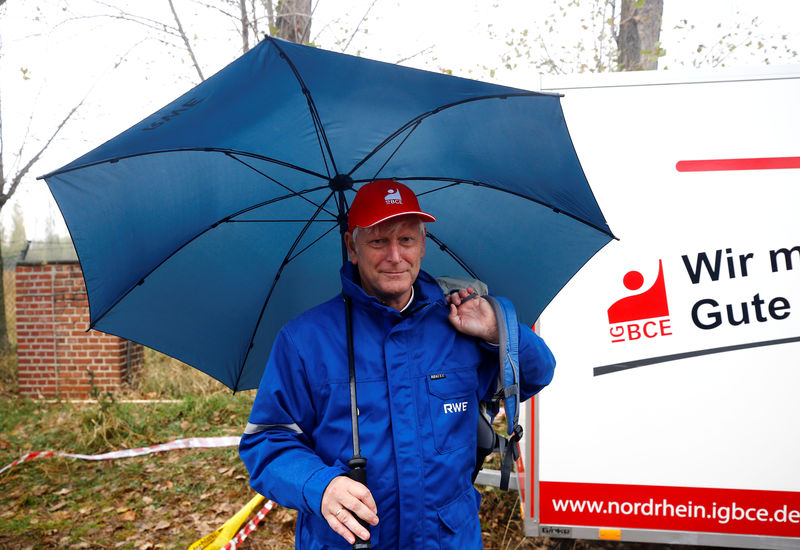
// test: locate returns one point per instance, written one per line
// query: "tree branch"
(15, 181)
(254, 22)
(245, 26)
(270, 15)
(186, 41)
(363, 18)
(413, 55)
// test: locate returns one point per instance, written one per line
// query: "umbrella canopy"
(202, 229)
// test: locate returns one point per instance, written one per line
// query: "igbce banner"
(674, 405)
(769, 271)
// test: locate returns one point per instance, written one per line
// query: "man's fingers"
(362, 497)
(362, 510)
(461, 295)
(346, 525)
(335, 522)
(342, 500)
(353, 496)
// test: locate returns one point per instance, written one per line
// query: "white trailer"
(674, 415)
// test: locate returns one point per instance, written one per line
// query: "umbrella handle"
(358, 463)
(358, 473)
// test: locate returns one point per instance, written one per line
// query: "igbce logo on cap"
(393, 197)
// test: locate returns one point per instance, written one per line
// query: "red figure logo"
(626, 315)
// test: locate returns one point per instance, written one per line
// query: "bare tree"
(638, 36)
(624, 35)
(293, 20)
(9, 183)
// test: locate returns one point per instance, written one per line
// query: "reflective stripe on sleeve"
(258, 428)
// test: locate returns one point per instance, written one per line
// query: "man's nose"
(393, 252)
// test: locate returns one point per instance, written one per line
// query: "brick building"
(55, 351)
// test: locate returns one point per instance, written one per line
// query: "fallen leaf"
(163, 524)
(130, 515)
(58, 506)
(64, 491)
(185, 425)
(147, 500)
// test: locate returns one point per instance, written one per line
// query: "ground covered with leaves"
(162, 500)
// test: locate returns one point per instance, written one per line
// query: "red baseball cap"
(381, 200)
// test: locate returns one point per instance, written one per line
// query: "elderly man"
(416, 350)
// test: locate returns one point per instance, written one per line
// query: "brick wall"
(55, 353)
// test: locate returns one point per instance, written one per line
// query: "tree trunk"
(293, 20)
(5, 344)
(638, 38)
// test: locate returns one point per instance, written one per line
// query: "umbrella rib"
(315, 241)
(287, 220)
(226, 219)
(457, 181)
(187, 149)
(256, 170)
(321, 136)
(419, 118)
(286, 259)
(229, 217)
(453, 255)
(390, 157)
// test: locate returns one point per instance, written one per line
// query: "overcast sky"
(56, 52)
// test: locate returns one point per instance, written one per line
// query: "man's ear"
(350, 242)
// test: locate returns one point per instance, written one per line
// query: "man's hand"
(342, 498)
(473, 316)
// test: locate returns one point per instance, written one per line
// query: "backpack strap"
(508, 382)
(507, 388)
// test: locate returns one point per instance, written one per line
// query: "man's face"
(388, 258)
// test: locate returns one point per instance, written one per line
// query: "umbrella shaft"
(348, 306)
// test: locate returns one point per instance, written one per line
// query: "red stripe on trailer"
(709, 510)
(719, 165)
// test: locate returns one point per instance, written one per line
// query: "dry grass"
(166, 500)
(166, 378)
(10, 293)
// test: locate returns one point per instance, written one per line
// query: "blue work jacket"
(418, 383)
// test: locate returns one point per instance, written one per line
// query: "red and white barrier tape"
(251, 525)
(188, 443)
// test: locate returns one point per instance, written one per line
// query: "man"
(423, 361)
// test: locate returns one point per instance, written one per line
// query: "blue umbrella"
(202, 229)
